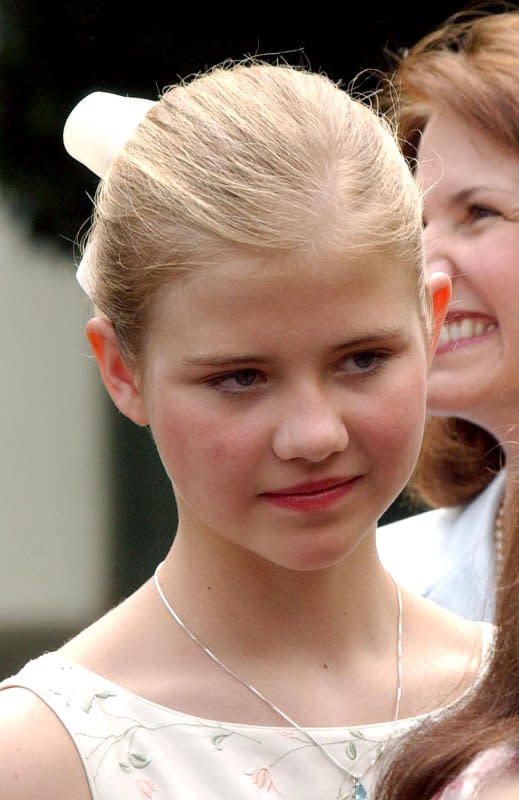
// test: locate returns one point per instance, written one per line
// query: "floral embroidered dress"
(132, 748)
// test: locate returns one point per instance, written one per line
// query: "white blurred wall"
(54, 517)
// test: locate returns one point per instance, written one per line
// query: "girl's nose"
(310, 430)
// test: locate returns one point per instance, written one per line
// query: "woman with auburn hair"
(474, 752)
(456, 104)
(459, 122)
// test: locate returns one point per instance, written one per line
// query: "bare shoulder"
(38, 756)
(445, 652)
(446, 631)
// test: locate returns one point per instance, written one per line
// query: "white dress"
(132, 748)
(448, 554)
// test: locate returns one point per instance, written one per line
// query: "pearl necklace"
(499, 538)
(358, 791)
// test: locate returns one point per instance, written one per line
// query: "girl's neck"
(245, 602)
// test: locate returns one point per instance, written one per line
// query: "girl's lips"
(312, 496)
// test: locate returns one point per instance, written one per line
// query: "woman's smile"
(463, 329)
(471, 218)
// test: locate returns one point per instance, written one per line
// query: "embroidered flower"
(145, 787)
(262, 778)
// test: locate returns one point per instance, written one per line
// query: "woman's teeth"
(467, 328)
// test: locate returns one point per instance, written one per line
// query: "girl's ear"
(120, 381)
(439, 286)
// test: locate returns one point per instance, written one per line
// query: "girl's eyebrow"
(221, 359)
(371, 338)
(224, 359)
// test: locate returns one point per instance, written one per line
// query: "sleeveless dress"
(132, 748)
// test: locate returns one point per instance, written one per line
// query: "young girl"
(256, 269)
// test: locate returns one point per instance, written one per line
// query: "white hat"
(100, 124)
(95, 130)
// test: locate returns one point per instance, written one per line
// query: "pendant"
(359, 792)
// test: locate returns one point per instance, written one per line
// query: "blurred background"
(85, 509)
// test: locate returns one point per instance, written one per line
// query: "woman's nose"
(440, 264)
(439, 252)
(311, 430)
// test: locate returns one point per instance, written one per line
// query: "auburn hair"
(471, 66)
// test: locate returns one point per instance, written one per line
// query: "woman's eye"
(481, 212)
(237, 381)
(366, 361)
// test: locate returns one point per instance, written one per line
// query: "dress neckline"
(487, 631)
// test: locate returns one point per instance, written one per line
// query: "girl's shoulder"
(100, 740)
(446, 655)
(38, 757)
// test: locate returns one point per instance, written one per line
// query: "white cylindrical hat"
(100, 125)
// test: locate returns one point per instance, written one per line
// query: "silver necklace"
(358, 791)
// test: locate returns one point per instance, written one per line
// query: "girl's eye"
(365, 361)
(238, 381)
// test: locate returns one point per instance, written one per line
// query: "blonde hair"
(266, 158)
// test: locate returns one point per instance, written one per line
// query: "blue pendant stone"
(359, 792)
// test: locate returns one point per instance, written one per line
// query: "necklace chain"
(358, 789)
